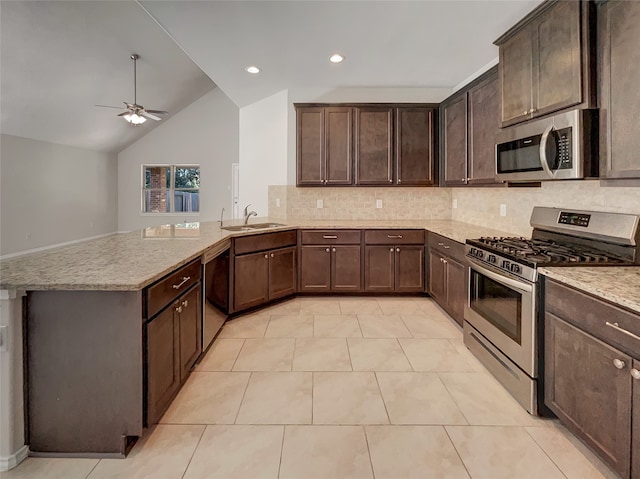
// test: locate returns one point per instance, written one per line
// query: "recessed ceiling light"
(252, 69)
(336, 58)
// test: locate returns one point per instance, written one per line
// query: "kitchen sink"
(256, 226)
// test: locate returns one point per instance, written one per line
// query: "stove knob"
(492, 258)
(515, 268)
(480, 254)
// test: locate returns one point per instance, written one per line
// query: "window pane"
(157, 201)
(157, 177)
(187, 177)
(186, 200)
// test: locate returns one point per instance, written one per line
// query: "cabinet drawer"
(592, 315)
(447, 246)
(394, 237)
(263, 242)
(170, 287)
(330, 237)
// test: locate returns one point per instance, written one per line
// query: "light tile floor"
(341, 388)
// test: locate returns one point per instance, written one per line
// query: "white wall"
(204, 133)
(263, 150)
(53, 194)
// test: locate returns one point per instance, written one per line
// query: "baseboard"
(9, 462)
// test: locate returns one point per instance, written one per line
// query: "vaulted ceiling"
(59, 58)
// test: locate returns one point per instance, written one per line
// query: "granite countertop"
(617, 284)
(131, 261)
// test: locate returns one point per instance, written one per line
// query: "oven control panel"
(575, 219)
(500, 264)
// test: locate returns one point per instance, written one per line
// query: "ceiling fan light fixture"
(336, 58)
(254, 70)
(134, 119)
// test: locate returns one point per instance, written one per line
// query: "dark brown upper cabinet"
(374, 146)
(324, 146)
(366, 144)
(546, 61)
(619, 48)
(471, 119)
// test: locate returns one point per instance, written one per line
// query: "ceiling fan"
(136, 114)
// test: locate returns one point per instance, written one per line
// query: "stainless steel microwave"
(559, 147)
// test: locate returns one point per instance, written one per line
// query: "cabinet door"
(373, 149)
(516, 69)
(558, 56)
(635, 418)
(587, 392)
(190, 330)
(379, 271)
(163, 362)
(620, 77)
(437, 277)
(414, 146)
(338, 127)
(282, 272)
(315, 269)
(409, 269)
(484, 122)
(311, 145)
(346, 273)
(455, 142)
(251, 280)
(456, 274)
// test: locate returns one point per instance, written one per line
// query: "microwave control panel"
(564, 149)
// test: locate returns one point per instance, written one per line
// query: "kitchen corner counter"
(617, 284)
(132, 261)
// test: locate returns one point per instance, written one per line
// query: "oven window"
(496, 303)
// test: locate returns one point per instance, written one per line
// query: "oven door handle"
(518, 285)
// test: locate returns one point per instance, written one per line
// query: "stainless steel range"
(501, 326)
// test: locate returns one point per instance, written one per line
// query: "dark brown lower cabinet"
(635, 415)
(447, 275)
(163, 362)
(394, 268)
(190, 321)
(264, 276)
(587, 391)
(330, 268)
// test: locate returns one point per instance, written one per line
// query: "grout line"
(454, 399)
(194, 451)
(359, 325)
(456, 449)
(346, 340)
(312, 393)
(407, 356)
(407, 327)
(284, 431)
(242, 399)
(375, 375)
(237, 355)
(93, 469)
(366, 440)
(544, 451)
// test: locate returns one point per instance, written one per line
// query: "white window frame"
(171, 189)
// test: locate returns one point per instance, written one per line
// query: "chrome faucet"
(248, 214)
(221, 217)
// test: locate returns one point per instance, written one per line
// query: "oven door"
(502, 308)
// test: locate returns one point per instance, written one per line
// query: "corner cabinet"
(447, 275)
(470, 121)
(619, 45)
(366, 144)
(546, 61)
(592, 373)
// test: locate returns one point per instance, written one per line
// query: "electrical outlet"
(378, 203)
(455, 203)
(277, 202)
(503, 210)
(319, 204)
(4, 338)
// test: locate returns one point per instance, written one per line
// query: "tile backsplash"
(479, 206)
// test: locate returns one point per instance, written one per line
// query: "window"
(171, 188)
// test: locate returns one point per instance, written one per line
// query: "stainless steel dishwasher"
(215, 285)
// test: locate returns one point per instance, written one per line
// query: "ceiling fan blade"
(125, 113)
(149, 115)
(109, 106)
(157, 112)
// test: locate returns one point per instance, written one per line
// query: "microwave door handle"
(544, 161)
(499, 278)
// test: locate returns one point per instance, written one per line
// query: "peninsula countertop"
(617, 284)
(132, 261)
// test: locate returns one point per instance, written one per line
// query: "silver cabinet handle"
(179, 309)
(185, 303)
(391, 250)
(273, 255)
(327, 250)
(266, 256)
(462, 179)
(390, 180)
(617, 327)
(329, 236)
(618, 363)
(447, 247)
(397, 250)
(184, 280)
(440, 244)
(525, 112)
(399, 180)
(444, 261)
(635, 373)
(394, 236)
(333, 249)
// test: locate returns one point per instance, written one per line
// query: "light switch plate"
(503, 210)
(4, 338)
(378, 203)
(319, 204)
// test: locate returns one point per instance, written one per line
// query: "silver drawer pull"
(330, 237)
(185, 303)
(617, 327)
(394, 236)
(179, 309)
(447, 247)
(618, 363)
(184, 280)
(635, 373)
